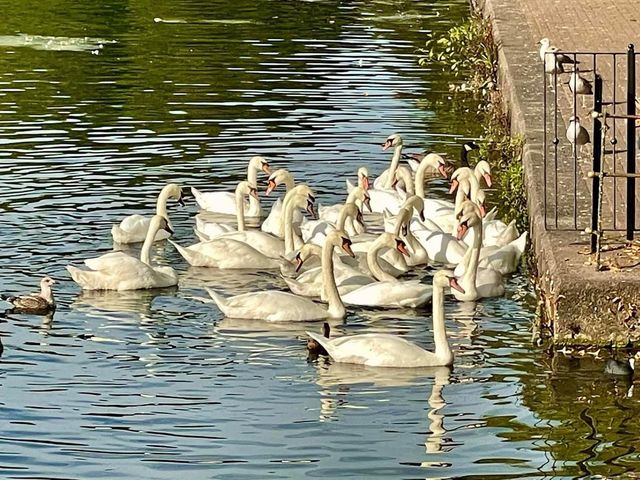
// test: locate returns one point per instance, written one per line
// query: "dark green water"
(100, 105)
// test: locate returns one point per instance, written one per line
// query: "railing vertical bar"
(575, 154)
(597, 161)
(614, 143)
(631, 144)
(544, 141)
(555, 138)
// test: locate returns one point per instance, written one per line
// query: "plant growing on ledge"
(469, 51)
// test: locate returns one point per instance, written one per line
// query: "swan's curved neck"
(240, 210)
(252, 175)
(442, 349)
(419, 181)
(145, 251)
(288, 182)
(336, 307)
(287, 225)
(395, 160)
(374, 264)
(471, 260)
(342, 218)
(161, 203)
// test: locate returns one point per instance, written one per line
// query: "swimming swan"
(133, 229)
(385, 350)
(119, 271)
(224, 202)
(277, 306)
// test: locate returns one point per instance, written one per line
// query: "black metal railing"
(570, 198)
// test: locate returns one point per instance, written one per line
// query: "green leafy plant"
(469, 51)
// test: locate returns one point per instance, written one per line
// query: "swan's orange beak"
(483, 211)
(365, 182)
(254, 193)
(272, 185)
(454, 186)
(453, 283)
(266, 168)
(402, 248)
(487, 178)
(346, 246)
(462, 229)
(299, 262)
(442, 170)
(386, 144)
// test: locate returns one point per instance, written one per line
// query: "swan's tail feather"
(221, 301)
(203, 237)
(81, 277)
(520, 243)
(490, 215)
(187, 255)
(326, 344)
(350, 186)
(198, 196)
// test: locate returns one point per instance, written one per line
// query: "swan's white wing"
(112, 261)
(375, 349)
(390, 294)
(271, 305)
(225, 253)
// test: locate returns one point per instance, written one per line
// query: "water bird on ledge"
(38, 303)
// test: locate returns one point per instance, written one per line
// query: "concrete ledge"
(580, 305)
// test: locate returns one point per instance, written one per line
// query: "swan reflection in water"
(232, 282)
(335, 380)
(129, 301)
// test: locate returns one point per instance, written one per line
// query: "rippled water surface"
(101, 103)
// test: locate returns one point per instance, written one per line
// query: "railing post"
(597, 160)
(631, 143)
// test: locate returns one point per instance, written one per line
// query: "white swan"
(119, 271)
(385, 180)
(230, 253)
(363, 180)
(224, 202)
(382, 200)
(272, 224)
(276, 306)
(267, 244)
(315, 231)
(388, 291)
(309, 283)
(133, 229)
(418, 255)
(358, 195)
(477, 283)
(384, 350)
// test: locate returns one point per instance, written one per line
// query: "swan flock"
(359, 254)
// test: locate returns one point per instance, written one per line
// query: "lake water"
(102, 103)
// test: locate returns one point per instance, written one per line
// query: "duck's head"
(47, 282)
